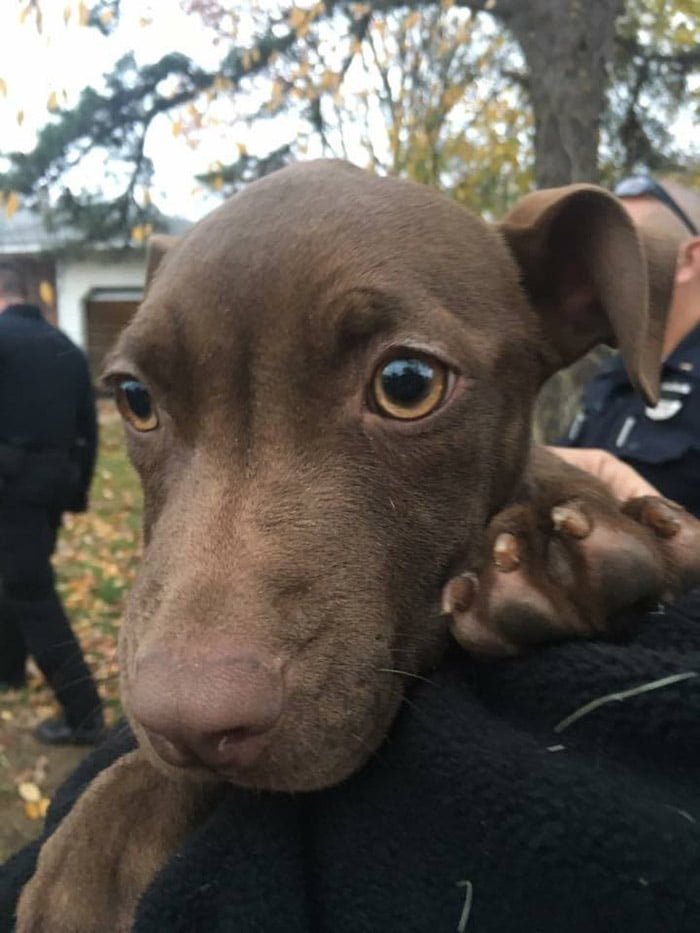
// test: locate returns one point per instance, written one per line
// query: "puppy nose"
(213, 711)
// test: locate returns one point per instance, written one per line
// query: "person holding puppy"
(48, 437)
(662, 442)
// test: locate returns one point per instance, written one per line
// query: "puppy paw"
(579, 568)
(93, 870)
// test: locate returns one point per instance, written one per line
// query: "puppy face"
(327, 393)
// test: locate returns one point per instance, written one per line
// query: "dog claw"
(506, 553)
(571, 520)
(458, 593)
(661, 518)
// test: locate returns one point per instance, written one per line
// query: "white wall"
(75, 278)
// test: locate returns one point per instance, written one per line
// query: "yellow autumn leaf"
(217, 183)
(221, 83)
(29, 792)
(242, 149)
(83, 14)
(138, 234)
(296, 18)
(277, 93)
(52, 102)
(46, 292)
(106, 17)
(361, 9)
(451, 96)
(20, 117)
(36, 809)
(176, 128)
(328, 80)
(12, 203)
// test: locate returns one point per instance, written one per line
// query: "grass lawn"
(95, 563)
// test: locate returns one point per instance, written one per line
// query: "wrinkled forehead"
(318, 255)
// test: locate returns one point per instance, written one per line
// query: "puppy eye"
(410, 387)
(135, 404)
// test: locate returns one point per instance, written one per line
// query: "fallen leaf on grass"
(29, 792)
(36, 809)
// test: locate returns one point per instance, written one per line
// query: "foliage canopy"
(460, 95)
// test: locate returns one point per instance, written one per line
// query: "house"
(89, 292)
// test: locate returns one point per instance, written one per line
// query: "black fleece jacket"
(476, 814)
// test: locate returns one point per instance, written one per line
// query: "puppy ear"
(592, 278)
(158, 246)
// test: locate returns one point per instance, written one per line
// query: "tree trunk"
(567, 45)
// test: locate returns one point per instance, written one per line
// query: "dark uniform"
(48, 438)
(661, 443)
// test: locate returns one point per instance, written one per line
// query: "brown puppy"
(327, 393)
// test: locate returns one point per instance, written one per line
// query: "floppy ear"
(158, 246)
(593, 279)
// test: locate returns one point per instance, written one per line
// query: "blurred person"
(48, 439)
(662, 443)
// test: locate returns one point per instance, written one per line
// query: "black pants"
(32, 620)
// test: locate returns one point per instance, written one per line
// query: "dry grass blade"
(467, 909)
(622, 695)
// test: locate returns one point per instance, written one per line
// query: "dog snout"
(214, 711)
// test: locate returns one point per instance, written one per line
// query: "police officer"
(48, 436)
(661, 442)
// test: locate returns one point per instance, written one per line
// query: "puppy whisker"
(395, 670)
